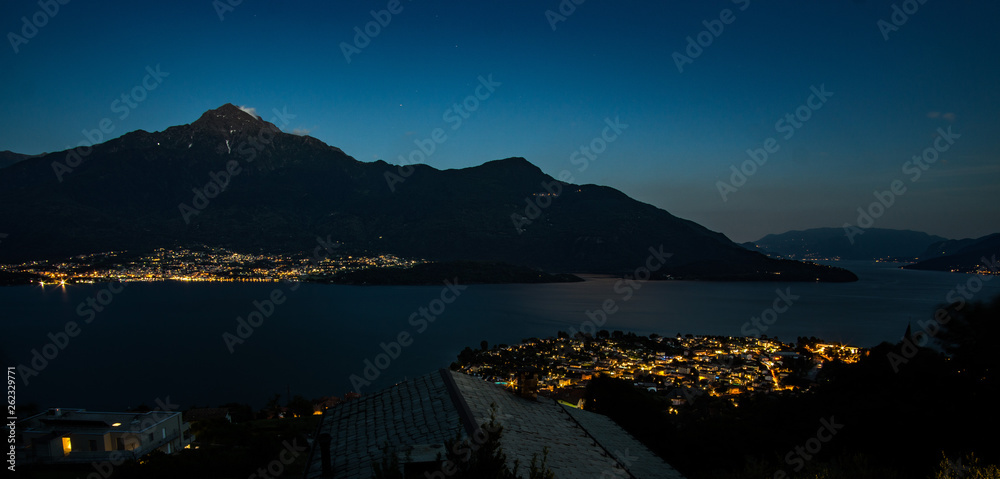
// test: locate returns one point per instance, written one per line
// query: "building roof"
(429, 410)
(80, 419)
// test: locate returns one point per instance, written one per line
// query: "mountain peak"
(515, 164)
(230, 118)
(230, 109)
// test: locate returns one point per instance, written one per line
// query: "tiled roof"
(638, 460)
(573, 449)
(418, 411)
(436, 408)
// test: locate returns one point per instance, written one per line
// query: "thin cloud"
(947, 116)
(250, 110)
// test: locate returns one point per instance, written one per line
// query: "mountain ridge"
(256, 188)
(833, 243)
(970, 255)
(8, 158)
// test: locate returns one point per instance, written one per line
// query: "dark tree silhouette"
(968, 332)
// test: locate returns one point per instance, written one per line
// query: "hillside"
(232, 180)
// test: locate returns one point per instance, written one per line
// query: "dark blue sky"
(938, 69)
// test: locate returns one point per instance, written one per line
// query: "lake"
(167, 339)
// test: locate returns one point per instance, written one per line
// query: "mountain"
(232, 180)
(8, 158)
(830, 243)
(947, 247)
(962, 256)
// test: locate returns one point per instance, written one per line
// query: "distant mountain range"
(833, 243)
(965, 256)
(231, 179)
(924, 251)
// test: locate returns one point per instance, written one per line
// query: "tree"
(239, 412)
(968, 468)
(300, 406)
(273, 405)
(539, 469)
(478, 457)
(968, 334)
(388, 468)
(467, 356)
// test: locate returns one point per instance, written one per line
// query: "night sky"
(892, 90)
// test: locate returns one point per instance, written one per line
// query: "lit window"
(67, 446)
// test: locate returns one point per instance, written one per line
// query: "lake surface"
(159, 340)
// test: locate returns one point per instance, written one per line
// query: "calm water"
(155, 340)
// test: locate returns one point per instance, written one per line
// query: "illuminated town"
(682, 368)
(202, 263)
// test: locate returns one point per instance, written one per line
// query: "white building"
(63, 435)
